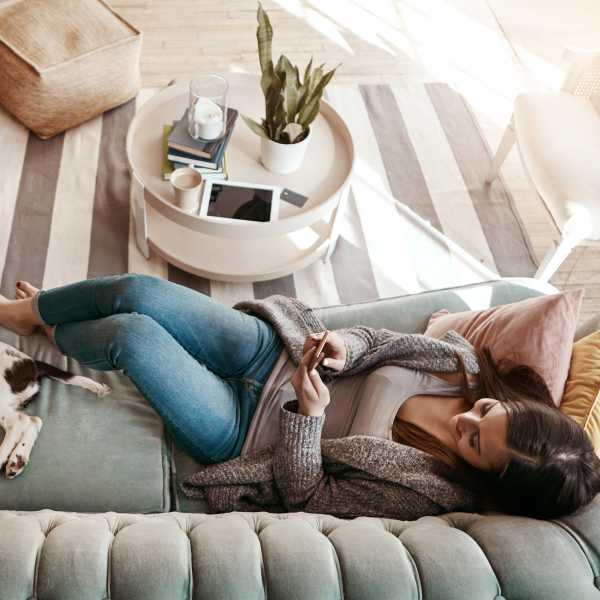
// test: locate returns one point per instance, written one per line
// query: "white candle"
(208, 119)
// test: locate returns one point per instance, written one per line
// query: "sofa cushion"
(92, 454)
(537, 332)
(63, 62)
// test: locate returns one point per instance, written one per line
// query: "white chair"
(558, 137)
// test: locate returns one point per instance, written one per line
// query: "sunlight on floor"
(468, 51)
(462, 43)
(304, 239)
(399, 230)
(369, 27)
(378, 23)
(549, 75)
(237, 68)
(455, 48)
(328, 28)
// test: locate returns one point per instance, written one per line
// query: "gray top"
(348, 476)
(362, 404)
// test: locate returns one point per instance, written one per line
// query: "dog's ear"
(23, 373)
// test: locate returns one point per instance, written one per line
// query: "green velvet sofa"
(97, 513)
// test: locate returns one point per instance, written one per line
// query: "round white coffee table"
(240, 251)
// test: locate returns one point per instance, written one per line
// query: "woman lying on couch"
(417, 425)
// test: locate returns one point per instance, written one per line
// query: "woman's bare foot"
(17, 315)
(24, 290)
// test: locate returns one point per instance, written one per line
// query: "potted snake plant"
(291, 105)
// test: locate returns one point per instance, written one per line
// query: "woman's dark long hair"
(552, 468)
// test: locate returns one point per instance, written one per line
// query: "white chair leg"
(555, 257)
(506, 144)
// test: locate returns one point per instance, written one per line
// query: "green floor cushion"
(93, 454)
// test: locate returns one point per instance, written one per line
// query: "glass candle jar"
(207, 110)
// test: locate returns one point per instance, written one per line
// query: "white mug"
(187, 184)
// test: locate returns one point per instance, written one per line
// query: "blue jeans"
(200, 364)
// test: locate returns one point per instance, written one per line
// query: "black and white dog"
(19, 382)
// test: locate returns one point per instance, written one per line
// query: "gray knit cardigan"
(350, 476)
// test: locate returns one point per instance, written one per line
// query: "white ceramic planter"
(283, 158)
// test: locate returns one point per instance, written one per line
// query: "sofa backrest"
(410, 313)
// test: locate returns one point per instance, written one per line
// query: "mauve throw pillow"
(537, 332)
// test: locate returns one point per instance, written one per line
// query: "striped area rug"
(419, 215)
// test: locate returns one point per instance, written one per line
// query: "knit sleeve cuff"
(300, 431)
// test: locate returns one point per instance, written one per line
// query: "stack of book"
(180, 149)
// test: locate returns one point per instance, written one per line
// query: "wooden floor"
(490, 50)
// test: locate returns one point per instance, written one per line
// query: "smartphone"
(318, 351)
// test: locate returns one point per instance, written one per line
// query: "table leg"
(336, 223)
(139, 215)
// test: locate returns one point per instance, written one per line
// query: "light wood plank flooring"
(489, 50)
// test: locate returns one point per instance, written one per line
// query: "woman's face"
(480, 435)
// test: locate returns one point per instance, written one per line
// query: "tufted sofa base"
(69, 556)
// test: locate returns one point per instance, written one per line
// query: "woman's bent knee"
(130, 336)
(136, 283)
(127, 291)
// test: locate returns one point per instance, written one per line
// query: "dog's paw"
(15, 466)
(102, 390)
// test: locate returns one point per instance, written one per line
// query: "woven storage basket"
(63, 62)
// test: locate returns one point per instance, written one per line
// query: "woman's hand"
(312, 394)
(334, 352)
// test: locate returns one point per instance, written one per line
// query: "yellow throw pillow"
(581, 399)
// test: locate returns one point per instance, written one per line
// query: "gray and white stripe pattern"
(419, 215)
